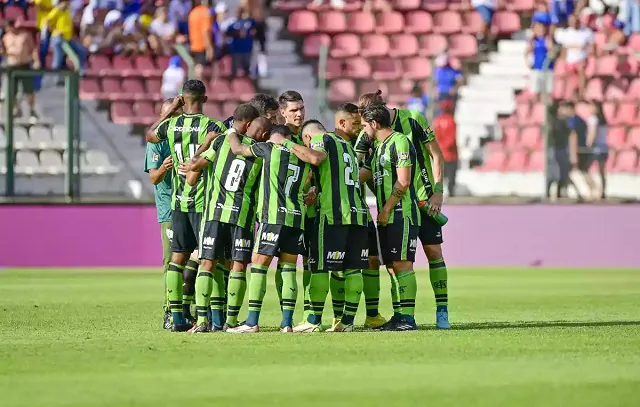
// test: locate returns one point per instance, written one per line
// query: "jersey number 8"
(234, 175)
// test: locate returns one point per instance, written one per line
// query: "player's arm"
(428, 138)
(365, 176)
(403, 180)
(158, 130)
(193, 177)
(313, 156)
(156, 165)
(237, 147)
(200, 162)
(214, 129)
(362, 147)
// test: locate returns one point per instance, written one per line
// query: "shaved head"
(309, 129)
(259, 129)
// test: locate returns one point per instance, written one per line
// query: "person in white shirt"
(486, 9)
(172, 78)
(162, 32)
(577, 43)
(597, 130)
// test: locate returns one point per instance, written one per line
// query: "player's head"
(259, 129)
(194, 93)
(369, 99)
(243, 116)
(267, 106)
(292, 107)
(374, 119)
(282, 130)
(166, 105)
(309, 129)
(348, 120)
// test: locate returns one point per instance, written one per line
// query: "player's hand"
(435, 204)
(177, 103)
(383, 217)
(310, 197)
(277, 138)
(183, 168)
(167, 164)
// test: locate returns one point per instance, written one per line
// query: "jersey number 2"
(291, 178)
(348, 169)
(234, 175)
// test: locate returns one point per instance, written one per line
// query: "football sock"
(189, 286)
(438, 277)
(306, 279)
(278, 278)
(289, 293)
(407, 289)
(395, 296)
(257, 289)
(353, 290)
(337, 288)
(318, 290)
(371, 291)
(217, 299)
(174, 292)
(204, 285)
(237, 287)
(225, 278)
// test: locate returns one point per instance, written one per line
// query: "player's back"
(341, 201)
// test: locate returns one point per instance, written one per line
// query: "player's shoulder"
(228, 123)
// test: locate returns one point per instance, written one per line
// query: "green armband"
(438, 188)
(289, 144)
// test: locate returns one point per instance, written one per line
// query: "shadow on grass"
(533, 324)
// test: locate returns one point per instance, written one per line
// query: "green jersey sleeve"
(401, 157)
(427, 135)
(215, 126)
(261, 149)
(210, 154)
(153, 157)
(317, 143)
(162, 130)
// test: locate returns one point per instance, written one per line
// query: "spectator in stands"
(541, 15)
(562, 9)
(173, 78)
(92, 31)
(200, 36)
(632, 17)
(539, 49)
(339, 4)
(615, 36)
(242, 32)
(447, 78)
(21, 52)
(486, 9)
(179, 14)
(162, 33)
(43, 7)
(580, 150)
(60, 22)
(115, 40)
(558, 152)
(418, 100)
(221, 24)
(577, 43)
(257, 11)
(444, 126)
(597, 130)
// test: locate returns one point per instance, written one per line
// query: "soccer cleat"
(390, 322)
(166, 320)
(307, 327)
(286, 330)
(216, 328)
(180, 327)
(340, 327)
(190, 320)
(399, 325)
(335, 322)
(244, 329)
(442, 319)
(200, 328)
(374, 322)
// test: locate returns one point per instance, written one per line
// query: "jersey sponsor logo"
(243, 243)
(155, 158)
(364, 253)
(413, 243)
(317, 144)
(335, 255)
(403, 156)
(281, 148)
(231, 208)
(184, 198)
(359, 210)
(208, 241)
(185, 128)
(270, 237)
(289, 211)
(378, 176)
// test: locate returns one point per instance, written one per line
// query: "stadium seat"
(634, 42)
(583, 110)
(634, 90)
(432, 45)
(495, 161)
(617, 90)
(416, 68)
(463, 46)
(607, 65)
(342, 90)
(145, 109)
(51, 162)
(361, 22)
(152, 87)
(312, 43)
(472, 23)
(510, 137)
(121, 112)
(516, 161)
(20, 137)
(536, 161)
(213, 110)
(242, 89)
(373, 86)
(332, 22)
(418, 22)
(146, 67)
(405, 5)
(594, 90)
(374, 45)
(133, 88)
(344, 46)
(98, 162)
(385, 69)
(27, 162)
(505, 22)
(628, 66)
(302, 22)
(59, 137)
(520, 5)
(220, 90)
(633, 141)
(228, 109)
(609, 111)
(90, 89)
(447, 22)
(403, 45)
(626, 161)
(40, 137)
(627, 113)
(531, 138)
(616, 137)
(98, 65)
(390, 22)
(122, 66)
(357, 68)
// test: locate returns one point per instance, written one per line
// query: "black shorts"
(342, 247)
(224, 241)
(311, 240)
(200, 58)
(373, 239)
(271, 240)
(584, 161)
(398, 241)
(186, 231)
(430, 231)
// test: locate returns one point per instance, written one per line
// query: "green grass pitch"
(521, 337)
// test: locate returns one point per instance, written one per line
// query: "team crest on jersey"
(155, 158)
(383, 160)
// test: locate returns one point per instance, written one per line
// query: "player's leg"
(371, 281)
(183, 243)
(165, 228)
(431, 238)
(211, 250)
(309, 262)
(217, 301)
(336, 288)
(278, 280)
(241, 241)
(189, 286)
(291, 245)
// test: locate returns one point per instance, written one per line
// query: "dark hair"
(377, 113)
(416, 88)
(170, 100)
(348, 108)
(10, 22)
(311, 122)
(289, 96)
(195, 88)
(368, 99)
(245, 113)
(264, 103)
(281, 129)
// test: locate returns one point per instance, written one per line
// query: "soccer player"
(184, 133)
(227, 232)
(281, 214)
(267, 107)
(429, 187)
(342, 244)
(392, 168)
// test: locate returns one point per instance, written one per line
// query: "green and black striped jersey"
(363, 188)
(185, 134)
(232, 183)
(415, 126)
(395, 152)
(280, 200)
(341, 201)
(312, 210)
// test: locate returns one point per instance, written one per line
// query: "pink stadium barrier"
(477, 235)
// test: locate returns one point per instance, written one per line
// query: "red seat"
(616, 137)
(373, 86)
(220, 90)
(418, 22)
(536, 161)
(357, 68)
(435, 5)
(609, 111)
(302, 22)
(121, 112)
(145, 66)
(634, 90)
(510, 137)
(520, 5)
(626, 114)
(98, 65)
(122, 66)
(390, 22)
(374, 45)
(626, 161)
(531, 138)
(594, 90)
(633, 140)
(228, 108)
(629, 66)
(242, 89)
(361, 22)
(634, 42)
(145, 109)
(432, 45)
(472, 23)
(312, 43)
(406, 4)
(213, 110)
(332, 22)
(345, 45)
(387, 69)
(289, 5)
(417, 68)
(495, 161)
(112, 88)
(463, 46)
(537, 114)
(606, 65)
(133, 86)
(13, 13)
(505, 22)
(447, 22)
(403, 45)
(583, 109)
(342, 90)
(89, 89)
(617, 90)
(516, 161)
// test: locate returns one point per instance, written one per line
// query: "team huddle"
(266, 183)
